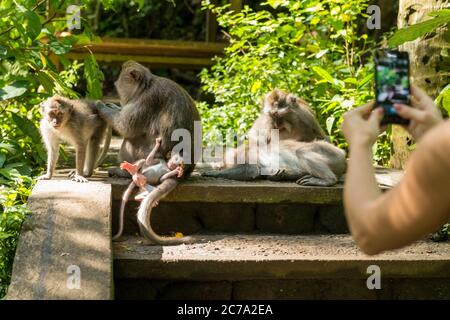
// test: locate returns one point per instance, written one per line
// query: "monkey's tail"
(125, 198)
(145, 212)
(105, 148)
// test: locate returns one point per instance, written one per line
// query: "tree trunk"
(427, 65)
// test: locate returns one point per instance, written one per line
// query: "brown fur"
(76, 122)
(152, 107)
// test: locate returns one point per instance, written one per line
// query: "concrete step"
(64, 249)
(207, 204)
(277, 267)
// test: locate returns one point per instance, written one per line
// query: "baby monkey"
(146, 174)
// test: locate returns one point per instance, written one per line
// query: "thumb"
(376, 116)
(407, 112)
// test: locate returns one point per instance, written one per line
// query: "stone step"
(208, 204)
(64, 249)
(277, 267)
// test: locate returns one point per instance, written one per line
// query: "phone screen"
(392, 83)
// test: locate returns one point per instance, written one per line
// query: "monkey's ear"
(65, 104)
(135, 75)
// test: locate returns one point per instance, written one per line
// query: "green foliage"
(311, 48)
(443, 100)
(410, 33)
(156, 19)
(32, 67)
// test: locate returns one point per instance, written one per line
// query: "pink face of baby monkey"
(175, 161)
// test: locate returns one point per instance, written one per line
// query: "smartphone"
(392, 83)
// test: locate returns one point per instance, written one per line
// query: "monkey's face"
(56, 112)
(175, 161)
(277, 106)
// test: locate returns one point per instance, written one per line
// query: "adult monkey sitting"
(152, 107)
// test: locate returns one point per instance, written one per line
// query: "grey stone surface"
(70, 225)
(332, 217)
(307, 289)
(192, 290)
(252, 257)
(285, 219)
(227, 217)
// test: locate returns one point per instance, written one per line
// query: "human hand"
(423, 113)
(158, 141)
(361, 126)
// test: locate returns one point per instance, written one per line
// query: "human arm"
(417, 206)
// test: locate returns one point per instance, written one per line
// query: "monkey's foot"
(308, 180)
(78, 178)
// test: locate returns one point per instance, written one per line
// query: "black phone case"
(390, 119)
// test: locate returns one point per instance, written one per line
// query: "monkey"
(147, 173)
(304, 155)
(152, 107)
(291, 115)
(76, 122)
(316, 163)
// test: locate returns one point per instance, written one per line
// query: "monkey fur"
(304, 155)
(77, 123)
(152, 107)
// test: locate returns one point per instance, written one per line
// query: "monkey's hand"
(78, 178)
(46, 176)
(180, 172)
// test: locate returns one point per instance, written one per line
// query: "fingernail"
(397, 106)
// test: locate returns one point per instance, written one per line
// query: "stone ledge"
(203, 189)
(251, 257)
(70, 225)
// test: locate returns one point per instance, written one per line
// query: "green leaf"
(443, 100)
(27, 127)
(323, 73)
(32, 24)
(415, 31)
(5, 235)
(2, 159)
(60, 47)
(46, 81)
(9, 147)
(13, 90)
(93, 76)
(3, 52)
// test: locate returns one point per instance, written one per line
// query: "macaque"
(152, 107)
(289, 114)
(147, 173)
(76, 122)
(304, 156)
(316, 163)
